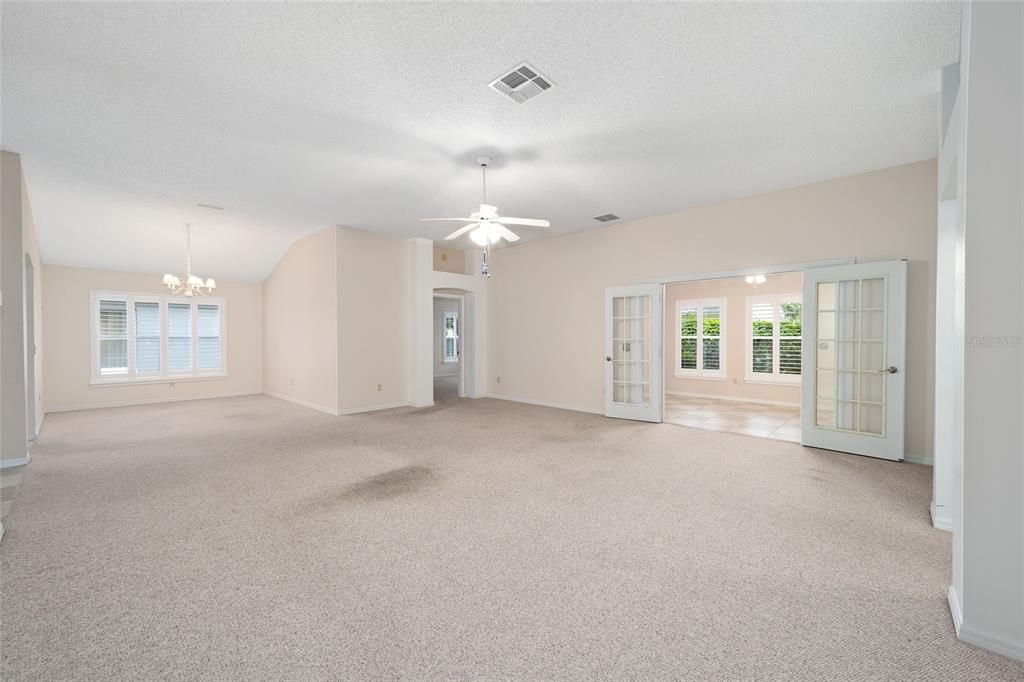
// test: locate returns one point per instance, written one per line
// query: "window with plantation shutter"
(113, 337)
(147, 337)
(451, 337)
(774, 341)
(143, 338)
(208, 349)
(700, 338)
(179, 337)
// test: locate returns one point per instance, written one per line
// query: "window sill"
(681, 375)
(772, 382)
(156, 380)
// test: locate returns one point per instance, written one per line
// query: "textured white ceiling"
(296, 117)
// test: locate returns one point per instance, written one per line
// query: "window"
(450, 336)
(700, 338)
(774, 341)
(179, 337)
(154, 338)
(208, 344)
(147, 337)
(113, 337)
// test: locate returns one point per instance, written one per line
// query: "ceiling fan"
(485, 226)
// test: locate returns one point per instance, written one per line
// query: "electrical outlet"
(499, 380)
(380, 387)
(291, 381)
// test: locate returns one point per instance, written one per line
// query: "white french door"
(633, 355)
(854, 348)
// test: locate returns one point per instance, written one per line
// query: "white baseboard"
(16, 462)
(541, 403)
(940, 519)
(918, 459)
(688, 394)
(303, 403)
(130, 403)
(966, 633)
(340, 413)
(954, 609)
(375, 408)
(1006, 647)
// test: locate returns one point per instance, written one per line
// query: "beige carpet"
(250, 538)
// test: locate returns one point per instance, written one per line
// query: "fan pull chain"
(487, 249)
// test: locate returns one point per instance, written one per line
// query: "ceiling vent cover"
(522, 83)
(606, 218)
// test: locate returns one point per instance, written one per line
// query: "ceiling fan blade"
(436, 220)
(488, 211)
(529, 222)
(508, 234)
(461, 231)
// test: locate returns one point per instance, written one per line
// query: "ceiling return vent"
(606, 218)
(521, 83)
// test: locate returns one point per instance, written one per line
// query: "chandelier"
(189, 284)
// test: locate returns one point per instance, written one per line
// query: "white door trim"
(461, 348)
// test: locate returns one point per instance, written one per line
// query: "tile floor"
(750, 419)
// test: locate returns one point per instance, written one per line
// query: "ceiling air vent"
(606, 218)
(521, 83)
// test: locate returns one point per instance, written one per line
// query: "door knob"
(890, 370)
(607, 358)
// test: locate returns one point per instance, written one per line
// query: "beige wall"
(442, 306)
(66, 319)
(373, 291)
(547, 343)
(449, 260)
(300, 323)
(735, 290)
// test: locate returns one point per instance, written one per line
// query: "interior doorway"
(30, 349)
(733, 351)
(448, 364)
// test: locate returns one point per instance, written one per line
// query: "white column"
(987, 595)
(13, 444)
(949, 286)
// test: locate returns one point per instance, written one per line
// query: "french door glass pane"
(850, 357)
(631, 362)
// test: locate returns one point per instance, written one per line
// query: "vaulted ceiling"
(296, 117)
